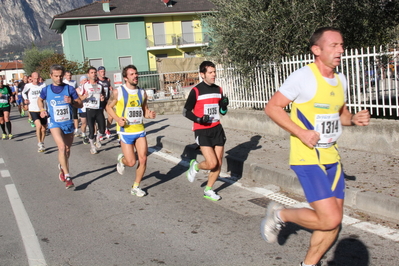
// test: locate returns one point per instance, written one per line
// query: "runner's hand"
(67, 99)
(121, 121)
(361, 118)
(309, 137)
(203, 120)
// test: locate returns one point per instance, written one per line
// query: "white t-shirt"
(94, 95)
(71, 83)
(32, 92)
(301, 85)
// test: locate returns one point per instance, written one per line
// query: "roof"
(11, 65)
(132, 8)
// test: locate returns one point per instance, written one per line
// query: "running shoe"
(120, 167)
(93, 150)
(32, 124)
(98, 143)
(76, 133)
(85, 140)
(41, 147)
(69, 183)
(61, 175)
(4, 136)
(191, 170)
(318, 264)
(271, 224)
(210, 194)
(10, 136)
(138, 192)
(107, 133)
(22, 113)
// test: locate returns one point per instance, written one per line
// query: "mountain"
(23, 22)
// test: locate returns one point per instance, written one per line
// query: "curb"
(258, 175)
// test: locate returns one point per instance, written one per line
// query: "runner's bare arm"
(147, 112)
(361, 118)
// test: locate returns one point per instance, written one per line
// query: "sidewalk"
(260, 160)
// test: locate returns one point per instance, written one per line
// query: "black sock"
(3, 127)
(8, 124)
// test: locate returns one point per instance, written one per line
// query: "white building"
(11, 71)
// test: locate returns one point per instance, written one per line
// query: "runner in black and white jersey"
(30, 94)
(106, 83)
(94, 109)
(82, 111)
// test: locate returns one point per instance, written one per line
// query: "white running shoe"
(120, 167)
(93, 150)
(271, 224)
(138, 192)
(191, 171)
(107, 133)
(210, 194)
(41, 147)
(98, 143)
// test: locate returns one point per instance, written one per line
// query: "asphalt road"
(100, 223)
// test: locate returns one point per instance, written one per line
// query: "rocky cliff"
(23, 22)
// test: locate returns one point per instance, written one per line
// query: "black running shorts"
(36, 115)
(210, 137)
(4, 109)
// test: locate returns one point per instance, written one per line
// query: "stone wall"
(381, 136)
(167, 107)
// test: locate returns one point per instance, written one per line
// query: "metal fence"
(372, 75)
(372, 81)
(163, 86)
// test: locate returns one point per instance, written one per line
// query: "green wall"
(76, 47)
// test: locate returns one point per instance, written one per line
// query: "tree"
(40, 61)
(32, 58)
(249, 31)
(73, 66)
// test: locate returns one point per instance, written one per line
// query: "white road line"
(29, 238)
(377, 229)
(1, 160)
(5, 173)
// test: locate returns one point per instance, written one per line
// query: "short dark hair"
(319, 32)
(124, 71)
(204, 65)
(90, 68)
(56, 67)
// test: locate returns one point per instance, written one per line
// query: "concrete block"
(378, 204)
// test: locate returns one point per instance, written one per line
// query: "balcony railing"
(186, 39)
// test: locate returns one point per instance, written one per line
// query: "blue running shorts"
(67, 129)
(321, 181)
(131, 138)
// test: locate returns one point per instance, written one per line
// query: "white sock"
(278, 216)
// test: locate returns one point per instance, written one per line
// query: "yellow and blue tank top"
(130, 106)
(321, 114)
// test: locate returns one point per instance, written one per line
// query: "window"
(96, 62)
(92, 33)
(122, 31)
(187, 32)
(124, 61)
(159, 33)
(161, 56)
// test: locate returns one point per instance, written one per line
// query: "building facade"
(120, 32)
